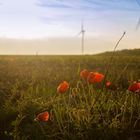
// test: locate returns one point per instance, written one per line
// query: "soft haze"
(52, 26)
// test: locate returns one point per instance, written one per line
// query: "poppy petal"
(44, 116)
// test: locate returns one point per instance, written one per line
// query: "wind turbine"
(82, 32)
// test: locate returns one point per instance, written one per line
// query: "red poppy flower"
(134, 87)
(84, 74)
(44, 116)
(63, 87)
(95, 77)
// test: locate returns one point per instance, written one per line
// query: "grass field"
(28, 86)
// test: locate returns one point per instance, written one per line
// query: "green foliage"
(86, 112)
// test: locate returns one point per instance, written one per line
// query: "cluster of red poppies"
(91, 78)
(95, 77)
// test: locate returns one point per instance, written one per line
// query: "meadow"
(28, 86)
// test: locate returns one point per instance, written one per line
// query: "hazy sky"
(52, 26)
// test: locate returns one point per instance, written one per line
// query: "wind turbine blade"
(138, 24)
(82, 25)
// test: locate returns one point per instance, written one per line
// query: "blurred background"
(53, 26)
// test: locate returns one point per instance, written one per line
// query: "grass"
(28, 86)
